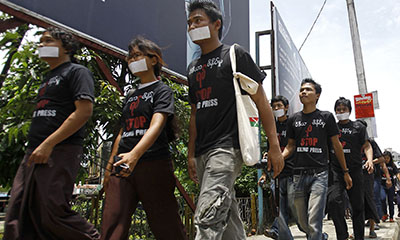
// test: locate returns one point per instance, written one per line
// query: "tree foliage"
(18, 89)
(17, 101)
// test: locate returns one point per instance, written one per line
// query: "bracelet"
(346, 171)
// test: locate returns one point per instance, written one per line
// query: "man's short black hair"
(317, 86)
(211, 10)
(68, 40)
(343, 101)
(280, 98)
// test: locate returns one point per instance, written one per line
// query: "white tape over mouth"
(343, 116)
(279, 113)
(48, 52)
(200, 33)
(138, 66)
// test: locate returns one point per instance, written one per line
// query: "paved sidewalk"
(387, 231)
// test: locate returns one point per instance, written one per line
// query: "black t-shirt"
(352, 135)
(55, 102)
(281, 129)
(312, 133)
(211, 91)
(392, 169)
(136, 116)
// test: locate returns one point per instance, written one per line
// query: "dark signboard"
(117, 22)
(290, 68)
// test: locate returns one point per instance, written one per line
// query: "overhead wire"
(312, 26)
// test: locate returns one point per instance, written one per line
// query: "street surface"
(388, 230)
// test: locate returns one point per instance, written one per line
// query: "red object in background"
(364, 105)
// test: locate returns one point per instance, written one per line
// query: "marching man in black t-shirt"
(280, 228)
(214, 157)
(309, 132)
(39, 206)
(372, 186)
(354, 139)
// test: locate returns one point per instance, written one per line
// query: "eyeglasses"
(137, 55)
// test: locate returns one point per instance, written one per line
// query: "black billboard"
(290, 68)
(117, 22)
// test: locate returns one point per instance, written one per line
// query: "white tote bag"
(247, 114)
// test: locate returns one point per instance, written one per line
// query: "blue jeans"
(378, 196)
(309, 201)
(217, 214)
(286, 209)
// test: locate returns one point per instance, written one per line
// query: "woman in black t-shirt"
(142, 169)
(388, 194)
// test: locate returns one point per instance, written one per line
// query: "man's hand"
(192, 169)
(388, 183)
(348, 181)
(276, 159)
(41, 154)
(263, 178)
(369, 166)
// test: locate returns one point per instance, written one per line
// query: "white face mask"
(343, 116)
(200, 33)
(48, 52)
(138, 66)
(279, 113)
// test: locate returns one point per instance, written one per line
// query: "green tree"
(17, 95)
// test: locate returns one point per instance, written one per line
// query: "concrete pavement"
(388, 231)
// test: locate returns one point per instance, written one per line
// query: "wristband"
(346, 170)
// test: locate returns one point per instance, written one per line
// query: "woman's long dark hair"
(389, 154)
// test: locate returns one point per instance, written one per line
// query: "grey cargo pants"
(217, 215)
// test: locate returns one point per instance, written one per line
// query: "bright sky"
(328, 52)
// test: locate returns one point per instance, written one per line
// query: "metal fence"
(91, 207)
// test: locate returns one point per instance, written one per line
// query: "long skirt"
(39, 206)
(153, 183)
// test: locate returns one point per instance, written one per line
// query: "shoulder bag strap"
(233, 64)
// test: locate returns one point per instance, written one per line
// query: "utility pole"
(355, 38)
(358, 58)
